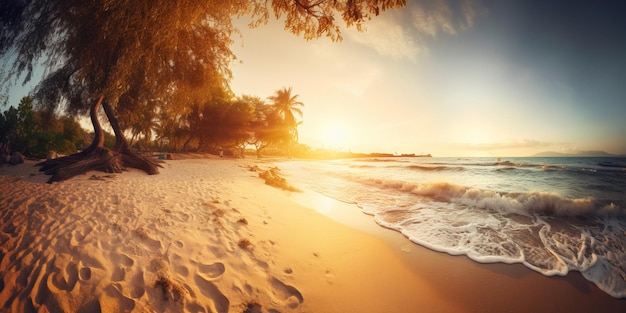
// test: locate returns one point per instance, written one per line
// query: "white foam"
(547, 232)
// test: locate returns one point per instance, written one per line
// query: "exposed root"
(97, 159)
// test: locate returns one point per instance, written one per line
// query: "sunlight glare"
(335, 135)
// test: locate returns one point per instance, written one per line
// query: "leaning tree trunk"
(96, 157)
(129, 158)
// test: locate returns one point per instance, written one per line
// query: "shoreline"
(305, 252)
(480, 287)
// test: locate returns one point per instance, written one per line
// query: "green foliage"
(35, 132)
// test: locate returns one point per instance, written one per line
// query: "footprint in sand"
(138, 286)
(212, 271)
(78, 235)
(287, 293)
(153, 244)
(118, 274)
(330, 277)
(184, 217)
(195, 307)
(123, 259)
(72, 275)
(209, 289)
(114, 301)
(182, 270)
(63, 274)
(84, 274)
(91, 306)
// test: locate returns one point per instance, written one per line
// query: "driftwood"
(272, 177)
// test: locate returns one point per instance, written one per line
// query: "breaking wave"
(536, 202)
(553, 217)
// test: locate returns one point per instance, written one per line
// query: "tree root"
(96, 159)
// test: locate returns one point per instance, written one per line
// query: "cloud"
(430, 20)
(402, 34)
(388, 38)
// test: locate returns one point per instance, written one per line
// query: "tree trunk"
(96, 157)
(184, 148)
(130, 159)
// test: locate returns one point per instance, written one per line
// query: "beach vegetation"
(244, 244)
(268, 128)
(252, 307)
(35, 132)
(219, 212)
(222, 124)
(285, 105)
(132, 57)
(275, 123)
(170, 289)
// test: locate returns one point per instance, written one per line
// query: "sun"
(335, 135)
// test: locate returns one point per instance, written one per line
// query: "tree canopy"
(125, 54)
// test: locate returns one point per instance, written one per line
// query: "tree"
(21, 126)
(268, 127)
(109, 53)
(35, 132)
(8, 130)
(285, 105)
(224, 124)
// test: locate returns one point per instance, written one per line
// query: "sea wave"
(433, 168)
(508, 165)
(548, 246)
(536, 202)
(553, 216)
(392, 159)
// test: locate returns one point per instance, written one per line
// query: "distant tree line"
(233, 124)
(223, 123)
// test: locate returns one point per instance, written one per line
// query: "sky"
(452, 78)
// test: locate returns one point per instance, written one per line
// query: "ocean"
(554, 215)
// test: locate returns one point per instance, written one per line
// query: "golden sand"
(208, 235)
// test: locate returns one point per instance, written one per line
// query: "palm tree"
(285, 105)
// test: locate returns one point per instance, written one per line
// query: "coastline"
(471, 286)
(304, 253)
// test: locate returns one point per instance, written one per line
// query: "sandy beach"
(208, 235)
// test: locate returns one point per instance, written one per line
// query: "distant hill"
(579, 154)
